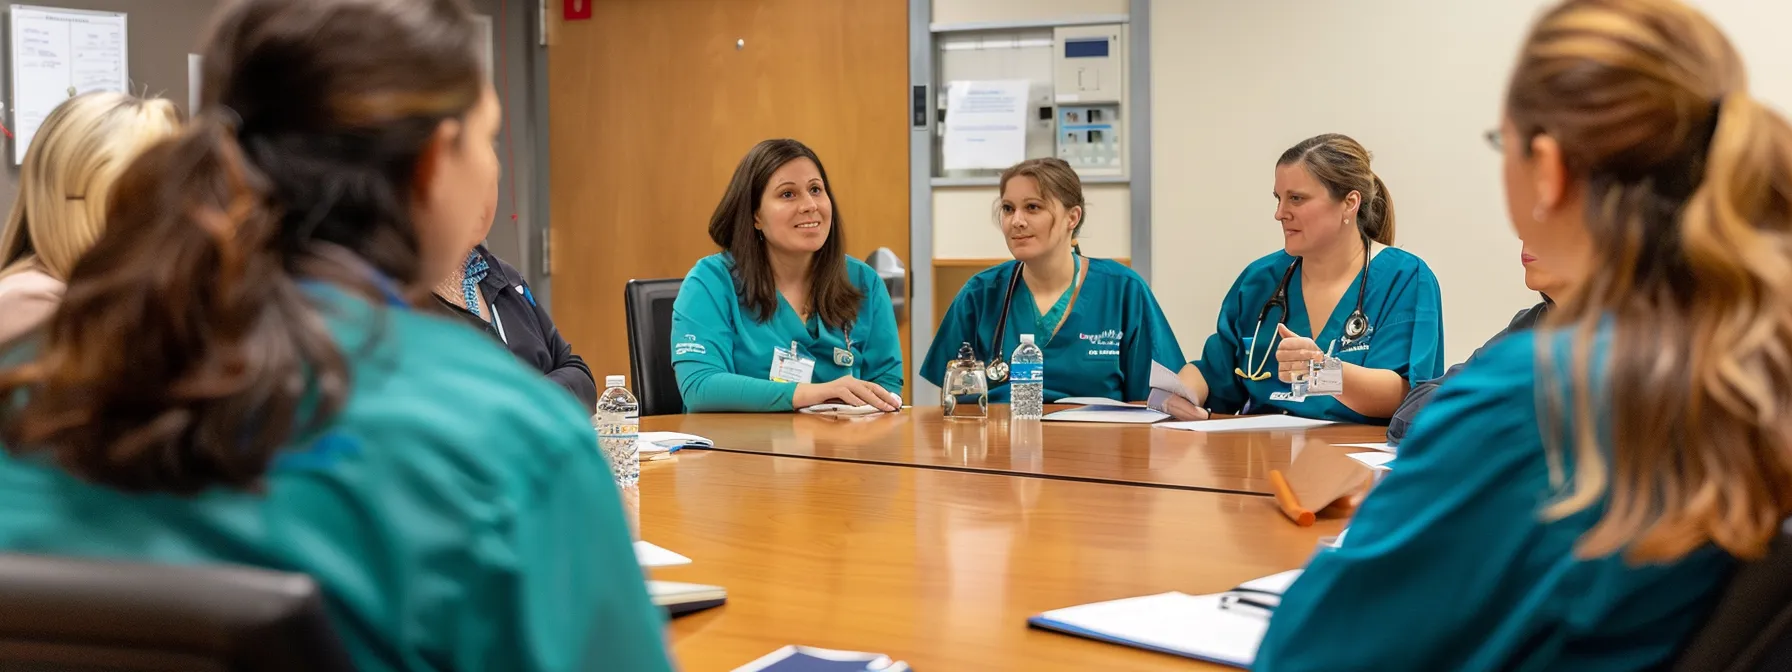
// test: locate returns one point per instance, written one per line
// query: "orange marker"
(1290, 505)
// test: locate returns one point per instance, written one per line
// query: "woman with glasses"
(1578, 496)
(1336, 291)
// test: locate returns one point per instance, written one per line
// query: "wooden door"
(654, 102)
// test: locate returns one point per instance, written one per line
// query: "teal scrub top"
(1406, 334)
(456, 512)
(1450, 566)
(723, 355)
(1105, 348)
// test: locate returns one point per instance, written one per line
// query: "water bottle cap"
(615, 381)
(1026, 338)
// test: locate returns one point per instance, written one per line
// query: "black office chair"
(1751, 628)
(63, 615)
(649, 307)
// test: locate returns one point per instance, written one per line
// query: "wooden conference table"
(933, 543)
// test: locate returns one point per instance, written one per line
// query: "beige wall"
(968, 11)
(964, 226)
(1416, 81)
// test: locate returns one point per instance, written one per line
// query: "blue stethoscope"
(1355, 327)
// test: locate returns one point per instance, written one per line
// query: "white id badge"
(789, 367)
(1325, 378)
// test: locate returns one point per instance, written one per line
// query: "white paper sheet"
(58, 54)
(1377, 446)
(1192, 625)
(985, 124)
(659, 442)
(1162, 378)
(650, 555)
(1377, 460)
(1096, 401)
(1248, 423)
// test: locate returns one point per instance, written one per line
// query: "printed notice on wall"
(58, 54)
(985, 124)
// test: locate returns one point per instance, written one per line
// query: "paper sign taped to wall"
(985, 124)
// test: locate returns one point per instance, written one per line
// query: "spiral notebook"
(1202, 627)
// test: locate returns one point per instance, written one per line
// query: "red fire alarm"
(577, 10)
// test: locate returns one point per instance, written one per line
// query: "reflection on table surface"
(1138, 454)
(940, 568)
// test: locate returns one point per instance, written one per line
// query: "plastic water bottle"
(1026, 376)
(618, 423)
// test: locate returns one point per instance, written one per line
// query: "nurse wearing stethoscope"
(1336, 294)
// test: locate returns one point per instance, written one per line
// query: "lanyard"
(1075, 290)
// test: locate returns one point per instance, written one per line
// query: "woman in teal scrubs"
(1577, 496)
(782, 319)
(1096, 319)
(1335, 288)
(236, 375)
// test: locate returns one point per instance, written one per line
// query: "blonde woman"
(1576, 497)
(60, 208)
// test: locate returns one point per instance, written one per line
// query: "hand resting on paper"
(1183, 409)
(846, 390)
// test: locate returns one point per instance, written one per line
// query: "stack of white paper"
(1247, 423)
(1193, 626)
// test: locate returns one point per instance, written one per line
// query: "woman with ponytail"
(74, 158)
(1576, 497)
(1336, 288)
(237, 374)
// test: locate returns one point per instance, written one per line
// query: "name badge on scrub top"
(842, 357)
(789, 367)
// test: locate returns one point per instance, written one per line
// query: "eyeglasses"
(1495, 139)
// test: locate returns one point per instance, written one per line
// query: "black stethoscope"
(997, 369)
(1355, 327)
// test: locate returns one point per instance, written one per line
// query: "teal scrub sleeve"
(958, 327)
(1457, 517)
(1152, 335)
(703, 354)
(883, 350)
(1412, 344)
(576, 599)
(1219, 357)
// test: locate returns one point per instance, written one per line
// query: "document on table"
(986, 124)
(1095, 409)
(1247, 424)
(650, 555)
(1376, 460)
(1192, 626)
(1383, 447)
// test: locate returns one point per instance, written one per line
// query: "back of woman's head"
(1688, 188)
(74, 158)
(186, 344)
(1342, 165)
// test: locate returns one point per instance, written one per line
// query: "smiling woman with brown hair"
(782, 318)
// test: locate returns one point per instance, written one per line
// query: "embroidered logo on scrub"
(690, 346)
(1361, 344)
(1102, 343)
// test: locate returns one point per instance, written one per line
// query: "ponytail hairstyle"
(69, 169)
(1058, 181)
(185, 347)
(1688, 189)
(1342, 165)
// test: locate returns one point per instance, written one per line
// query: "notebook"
(810, 659)
(679, 599)
(661, 442)
(1191, 626)
(1105, 410)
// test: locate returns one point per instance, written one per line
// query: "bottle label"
(1020, 374)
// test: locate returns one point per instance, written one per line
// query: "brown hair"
(1342, 165)
(1056, 179)
(831, 291)
(1687, 182)
(185, 348)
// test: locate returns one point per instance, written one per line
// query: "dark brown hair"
(185, 347)
(1342, 165)
(1056, 179)
(831, 291)
(1685, 434)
